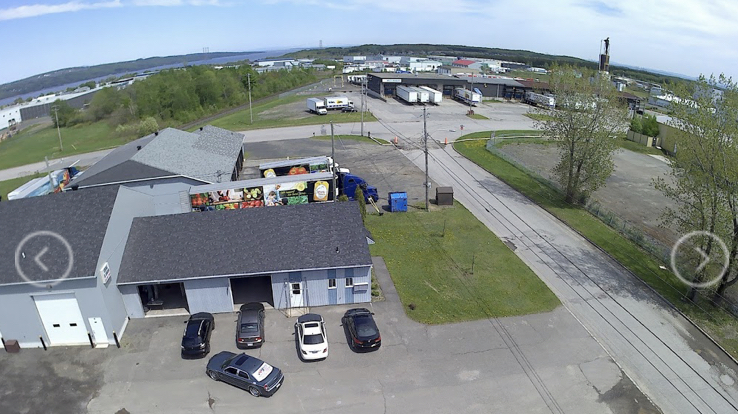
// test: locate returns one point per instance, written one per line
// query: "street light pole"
(425, 140)
(362, 107)
(248, 79)
(56, 114)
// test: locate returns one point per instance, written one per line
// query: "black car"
(348, 109)
(196, 336)
(245, 372)
(363, 332)
(250, 326)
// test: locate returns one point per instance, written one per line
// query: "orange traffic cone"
(395, 140)
(445, 142)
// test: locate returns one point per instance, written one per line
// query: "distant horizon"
(293, 49)
(690, 37)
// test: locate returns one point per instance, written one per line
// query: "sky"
(690, 37)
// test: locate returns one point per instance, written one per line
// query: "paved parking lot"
(536, 363)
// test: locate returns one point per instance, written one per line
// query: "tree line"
(79, 74)
(177, 96)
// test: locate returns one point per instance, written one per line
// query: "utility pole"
(362, 106)
(333, 163)
(427, 183)
(248, 79)
(56, 114)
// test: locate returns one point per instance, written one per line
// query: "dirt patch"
(628, 194)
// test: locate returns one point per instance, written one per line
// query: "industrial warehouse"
(384, 85)
(130, 243)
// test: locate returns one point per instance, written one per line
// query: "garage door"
(62, 319)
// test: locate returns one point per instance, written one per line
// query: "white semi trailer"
(434, 96)
(407, 94)
(467, 96)
(423, 95)
(538, 99)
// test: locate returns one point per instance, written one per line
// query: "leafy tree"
(650, 126)
(636, 125)
(704, 175)
(359, 197)
(104, 103)
(64, 113)
(147, 126)
(585, 124)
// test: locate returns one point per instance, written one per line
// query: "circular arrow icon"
(41, 260)
(706, 259)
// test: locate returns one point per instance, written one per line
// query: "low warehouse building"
(385, 84)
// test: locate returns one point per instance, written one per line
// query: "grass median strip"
(359, 138)
(449, 267)
(717, 322)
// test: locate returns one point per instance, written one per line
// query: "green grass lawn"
(476, 116)
(10, 185)
(721, 326)
(430, 257)
(33, 144)
(636, 147)
(352, 138)
(538, 117)
(241, 121)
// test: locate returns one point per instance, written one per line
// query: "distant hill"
(83, 73)
(523, 56)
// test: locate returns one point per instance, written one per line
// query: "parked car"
(348, 109)
(311, 337)
(196, 336)
(245, 372)
(363, 332)
(250, 326)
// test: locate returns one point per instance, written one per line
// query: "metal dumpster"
(397, 201)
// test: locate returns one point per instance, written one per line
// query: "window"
(230, 370)
(296, 288)
(349, 281)
(332, 283)
(243, 375)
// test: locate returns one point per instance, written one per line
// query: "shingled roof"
(243, 242)
(208, 154)
(79, 217)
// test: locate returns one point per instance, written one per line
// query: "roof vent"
(75, 187)
(200, 128)
(138, 148)
(156, 133)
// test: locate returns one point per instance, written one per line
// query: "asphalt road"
(671, 361)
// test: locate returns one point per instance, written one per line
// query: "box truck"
(317, 106)
(338, 102)
(407, 94)
(52, 182)
(345, 181)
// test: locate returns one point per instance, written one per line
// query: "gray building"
(385, 84)
(76, 266)
(58, 266)
(288, 256)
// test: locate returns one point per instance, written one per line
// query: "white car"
(312, 337)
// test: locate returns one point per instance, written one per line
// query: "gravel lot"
(628, 193)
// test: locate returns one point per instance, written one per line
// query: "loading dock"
(252, 289)
(62, 319)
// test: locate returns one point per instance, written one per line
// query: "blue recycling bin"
(397, 201)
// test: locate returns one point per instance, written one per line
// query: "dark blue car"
(245, 372)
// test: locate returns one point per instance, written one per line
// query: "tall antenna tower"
(206, 50)
(605, 56)
(320, 44)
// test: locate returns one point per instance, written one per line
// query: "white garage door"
(62, 319)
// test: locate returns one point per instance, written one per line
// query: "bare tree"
(587, 118)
